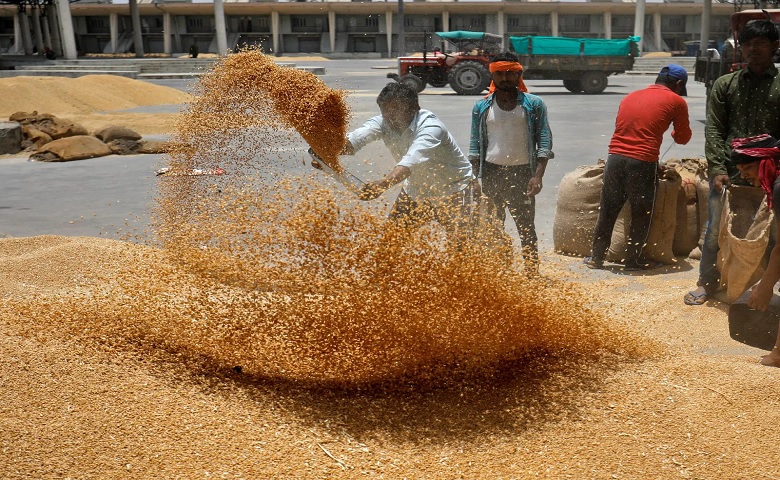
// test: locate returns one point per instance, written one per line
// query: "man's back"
(642, 119)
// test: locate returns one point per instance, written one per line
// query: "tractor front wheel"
(469, 78)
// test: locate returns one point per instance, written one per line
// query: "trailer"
(583, 64)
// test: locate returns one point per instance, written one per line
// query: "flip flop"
(692, 298)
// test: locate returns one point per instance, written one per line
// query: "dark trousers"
(452, 213)
(632, 180)
(507, 187)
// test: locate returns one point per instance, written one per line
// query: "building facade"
(350, 27)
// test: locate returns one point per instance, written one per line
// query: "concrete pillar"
(36, 24)
(332, 30)
(219, 17)
(178, 26)
(167, 29)
(67, 35)
(113, 28)
(401, 30)
(445, 21)
(275, 31)
(501, 20)
(554, 24)
(705, 27)
(659, 43)
(46, 27)
(56, 37)
(138, 39)
(608, 25)
(24, 25)
(389, 32)
(18, 49)
(639, 22)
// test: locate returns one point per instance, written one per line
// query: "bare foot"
(771, 360)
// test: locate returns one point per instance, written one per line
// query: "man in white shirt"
(437, 175)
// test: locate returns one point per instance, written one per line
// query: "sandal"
(692, 298)
(636, 267)
(594, 264)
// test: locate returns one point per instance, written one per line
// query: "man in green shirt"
(741, 104)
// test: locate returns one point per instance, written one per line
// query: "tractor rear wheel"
(593, 82)
(412, 80)
(469, 78)
(573, 86)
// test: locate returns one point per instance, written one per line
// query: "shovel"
(353, 184)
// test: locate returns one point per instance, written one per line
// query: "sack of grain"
(689, 233)
(577, 210)
(744, 236)
(71, 148)
(663, 223)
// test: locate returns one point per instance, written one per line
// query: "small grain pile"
(292, 279)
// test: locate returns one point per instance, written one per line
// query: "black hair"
(398, 91)
(505, 57)
(666, 79)
(757, 29)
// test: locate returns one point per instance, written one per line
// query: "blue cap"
(677, 72)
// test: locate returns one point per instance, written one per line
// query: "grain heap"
(289, 278)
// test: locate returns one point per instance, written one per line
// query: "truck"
(712, 64)
(583, 64)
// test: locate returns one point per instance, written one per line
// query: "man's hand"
(534, 186)
(760, 297)
(719, 182)
(315, 162)
(370, 191)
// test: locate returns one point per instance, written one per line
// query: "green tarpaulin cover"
(573, 46)
(464, 35)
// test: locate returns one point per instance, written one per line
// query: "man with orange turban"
(510, 145)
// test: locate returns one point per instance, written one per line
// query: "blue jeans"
(709, 276)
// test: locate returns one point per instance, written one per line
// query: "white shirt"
(438, 166)
(507, 133)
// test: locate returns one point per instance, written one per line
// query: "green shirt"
(741, 104)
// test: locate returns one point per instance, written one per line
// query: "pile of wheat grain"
(288, 278)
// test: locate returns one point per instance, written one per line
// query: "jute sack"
(662, 224)
(71, 148)
(743, 238)
(688, 231)
(577, 210)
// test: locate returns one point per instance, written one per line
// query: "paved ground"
(99, 196)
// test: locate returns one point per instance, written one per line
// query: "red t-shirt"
(642, 119)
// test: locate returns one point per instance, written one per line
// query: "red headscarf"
(760, 148)
(507, 67)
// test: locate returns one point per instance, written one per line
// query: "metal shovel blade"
(350, 181)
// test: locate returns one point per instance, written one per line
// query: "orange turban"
(507, 67)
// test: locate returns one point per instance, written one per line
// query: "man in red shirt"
(631, 172)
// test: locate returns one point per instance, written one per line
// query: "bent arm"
(682, 127)
(762, 292)
(372, 190)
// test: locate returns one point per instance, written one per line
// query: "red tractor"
(465, 70)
